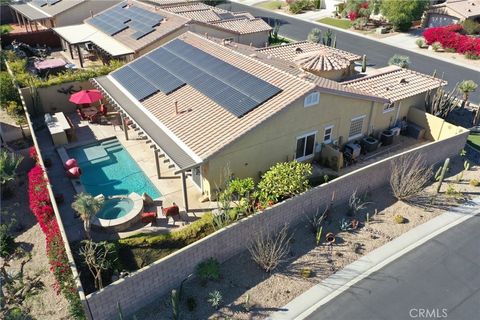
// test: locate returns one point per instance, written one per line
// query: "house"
(206, 104)
(122, 32)
(239, 27)
(43, 14)
(452, 12)
(99, 36)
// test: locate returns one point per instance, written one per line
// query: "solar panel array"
(122, 17)
(42, 3)
(177, 63)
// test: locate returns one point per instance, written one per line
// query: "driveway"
(439, 279)
(377, 53)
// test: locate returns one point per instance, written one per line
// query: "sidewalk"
(404, 41)
(307, 303)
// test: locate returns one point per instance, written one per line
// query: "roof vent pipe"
(91, 13)
(206, 35)
(176, 107)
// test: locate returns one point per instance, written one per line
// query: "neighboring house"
(452, 12)
(240, 27)
(206, 104)
(125, 31)
(37, 14)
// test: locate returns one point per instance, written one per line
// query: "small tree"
(315, 35)
(465, 87)
(399, 60)
(470, 26)
(98, 258)
(285, 180)
(9, 163)
(268, 251)
(401, 13)
(410, 174)
(87, 207)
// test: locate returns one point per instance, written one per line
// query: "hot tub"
(119, 212)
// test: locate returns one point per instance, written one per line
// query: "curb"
(460, 64)
(328, 289)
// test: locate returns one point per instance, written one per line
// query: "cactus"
(175, 305)
(247, 303)
(334, 43)
(466, 167)
(442, 174)
(364, 63)
(440, 103)
(368, 217)
(318, 236)
(327, 38)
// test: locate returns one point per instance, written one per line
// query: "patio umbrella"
(86, 97)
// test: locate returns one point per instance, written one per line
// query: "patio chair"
(172, 211)
(81, 115)
(95, 118)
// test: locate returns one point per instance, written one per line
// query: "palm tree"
(465, 87)
(8, 165)
(87, 207)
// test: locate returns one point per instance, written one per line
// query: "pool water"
(115, 208)
(108, 169)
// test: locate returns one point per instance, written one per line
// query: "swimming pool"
(108, 169)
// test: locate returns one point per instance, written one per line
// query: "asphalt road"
(441, 277)
(377, 53)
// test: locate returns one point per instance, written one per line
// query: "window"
(328, 134)
(305, 146)
(312, 99)
(387, 107)
(356, 126)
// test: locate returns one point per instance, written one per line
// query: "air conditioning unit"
(354, 149)
(395, 131)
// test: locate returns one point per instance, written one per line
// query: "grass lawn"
(339, 23)
(474, 140)
(271, 5)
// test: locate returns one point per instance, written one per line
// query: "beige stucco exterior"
(160, 42)
(80, 12)
(275, 140)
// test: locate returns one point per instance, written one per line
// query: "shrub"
(399, 60)
(402, 13)
(399, 219)
(9, 163)
(449, 38)
(420, 43)
(268, 251)
(471, 27)
(5, 28)
(306, 273)
(409, 176)
(475, 182)
(208, 270)
(8, 90)
(315, 35)
(285, 180)
(298, 6)
(7, 242)
(436, 46)
(215, 298)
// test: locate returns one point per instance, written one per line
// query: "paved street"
(441, 276)
(377, 53)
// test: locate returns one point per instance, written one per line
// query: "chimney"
(176, 107)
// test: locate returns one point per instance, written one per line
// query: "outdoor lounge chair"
(172, 211)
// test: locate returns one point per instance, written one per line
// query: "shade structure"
(86, 96)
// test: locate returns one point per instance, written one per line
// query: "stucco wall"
(149, 283)
(50, 100)
(81, 12)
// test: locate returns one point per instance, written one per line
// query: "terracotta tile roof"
(395, 83)
(206, 127)
(236, 22)
(35, 12)
(170, 24)
(321, 60)
(289, 51)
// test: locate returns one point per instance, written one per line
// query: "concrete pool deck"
(169, 185)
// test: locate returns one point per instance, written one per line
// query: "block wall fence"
(157, 279)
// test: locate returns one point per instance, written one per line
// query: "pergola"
(27, 16)
(163, 145)
(77, 35)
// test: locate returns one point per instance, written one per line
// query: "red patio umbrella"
(86, 97)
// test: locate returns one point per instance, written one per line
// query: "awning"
(173, 151)
(30, 11)
(82, 33)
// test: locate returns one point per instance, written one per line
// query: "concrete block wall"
(149, 283)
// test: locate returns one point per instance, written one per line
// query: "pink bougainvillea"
(450, 38)
(352, 15)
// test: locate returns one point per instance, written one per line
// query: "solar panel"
(157, 76)
(225, 15)
(140, 34)
(40, 3)
(52, 2)
(134, 83)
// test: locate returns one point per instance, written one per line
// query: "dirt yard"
(46, 305)
(240, 276)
